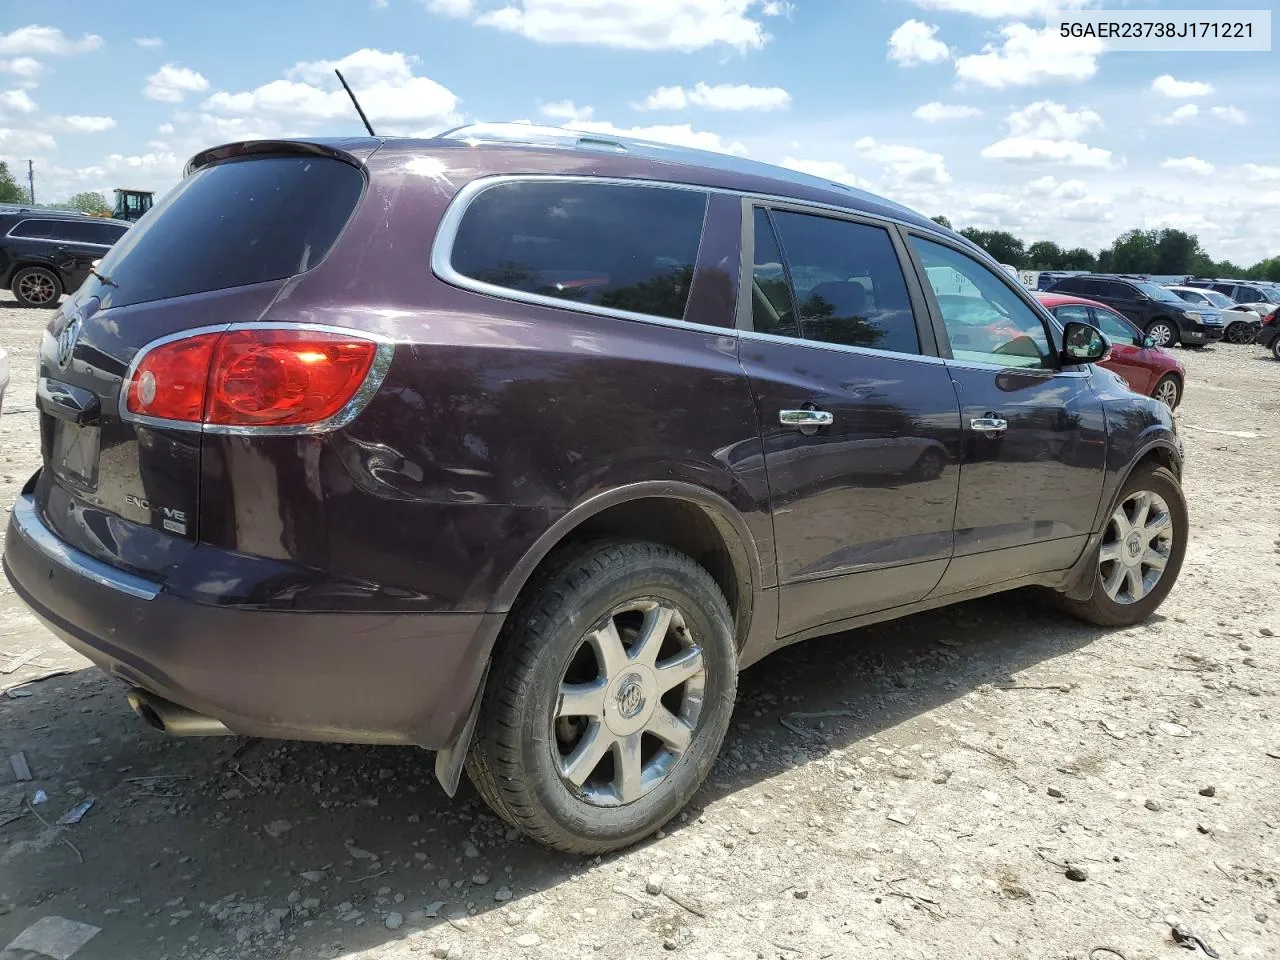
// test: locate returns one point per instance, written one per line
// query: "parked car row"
(1157, 311)
(46, 253)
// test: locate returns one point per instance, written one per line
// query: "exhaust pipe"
(173, 719)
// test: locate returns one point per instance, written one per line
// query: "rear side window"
(233, 224)
(87, 231)
(621, 246)
(847, 282)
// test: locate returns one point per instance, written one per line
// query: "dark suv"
(517, 446)
(1160, 313)
(46, 253)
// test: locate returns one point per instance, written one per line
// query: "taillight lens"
(1272, 318)
(251, 377)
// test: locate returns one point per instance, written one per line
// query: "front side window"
(1191, 296)
(1117, 328)
(985, 320)
(847, 283)
(621, 246)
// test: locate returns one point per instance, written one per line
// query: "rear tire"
(1275, 348)
(36, 287)
(1125, 588)
(609, 697)
(1240, 332)
(1168, 391)
(1163, 332)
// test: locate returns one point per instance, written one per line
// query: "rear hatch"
(218, 249)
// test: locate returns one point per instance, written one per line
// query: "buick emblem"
(67, 342)
(630, 698)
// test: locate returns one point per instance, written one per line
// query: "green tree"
(1137, 251)
(1177, 252)
(1078, 258)
(1044, 255)
(90, 201)
(1001, 244)
(941, 221)
(10, 192)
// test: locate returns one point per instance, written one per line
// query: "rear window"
(233, 224)
(87, 231)
(619, 246)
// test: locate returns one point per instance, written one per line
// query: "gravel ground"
(960, 765)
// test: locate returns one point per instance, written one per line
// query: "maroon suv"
(517, 445)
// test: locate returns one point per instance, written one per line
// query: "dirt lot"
(967, 758)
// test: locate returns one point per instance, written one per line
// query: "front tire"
(1138, 561)
(1241, 332)
(609, 697)
(1163, 332)
(1168, 391)
(36, 287)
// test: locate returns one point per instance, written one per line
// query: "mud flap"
(451, 760)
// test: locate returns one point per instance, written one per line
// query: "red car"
(1146, 368)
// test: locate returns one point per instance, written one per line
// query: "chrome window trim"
(385, 353)
(1047, 373)
(28, 525)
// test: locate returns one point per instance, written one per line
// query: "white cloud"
(937, 112)
(150, 43)
(1258, 174)
(27, 68)
(1069, 153)
(171, 83)
(908, 163)
(165, 128)
(1167, 86)
(827, 170)
(82, 124)
(1003, 9)
(916, 42)
(1184, 113)
(1048, 120)
(16, 101)
(447, 8)
(396, 100)
(1230, 115)
(46, 41)
(685, 25)
(1028, 56)
(1189, 165)
(681, 135)
(723, 96)
(25, 141)
(565, 110)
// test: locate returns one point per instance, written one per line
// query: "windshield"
(1157, 292)
(1273, 294)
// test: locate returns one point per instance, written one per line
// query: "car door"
(1129, 357)
(860, 423)
(76, 245)
(1034, 432)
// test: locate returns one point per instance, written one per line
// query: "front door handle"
(988, 425)
(805, 418)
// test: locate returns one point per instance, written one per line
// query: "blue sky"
(963, 107)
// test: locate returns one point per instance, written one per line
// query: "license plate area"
(75, 454)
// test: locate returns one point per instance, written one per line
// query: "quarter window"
(985, 320)
(846, 282)
(619, 246)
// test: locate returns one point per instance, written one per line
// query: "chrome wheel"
(1161, 333)
(1167, 392)
(1136, 547)
(36, 288)
(629, 703)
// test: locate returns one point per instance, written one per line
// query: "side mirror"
(1148, 343)
(1082, 343)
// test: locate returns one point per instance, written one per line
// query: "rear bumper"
(1267, 335)
(350, 677)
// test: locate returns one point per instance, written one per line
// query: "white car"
(1243, 320)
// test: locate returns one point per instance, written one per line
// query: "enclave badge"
(67, 342)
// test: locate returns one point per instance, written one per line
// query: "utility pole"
(31, 180)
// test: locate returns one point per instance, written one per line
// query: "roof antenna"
(363, 118)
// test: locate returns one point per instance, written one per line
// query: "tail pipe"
(175, 720)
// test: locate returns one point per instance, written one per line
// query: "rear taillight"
(251, 377)
(1272, 318)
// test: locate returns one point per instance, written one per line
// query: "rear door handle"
(988, 425)
(805, 418)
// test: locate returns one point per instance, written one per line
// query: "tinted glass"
(986, 321)
(848, 283)
(624, 247)
(1157, 292)
(84, 231)
(234, 224)
(1226, 289)
(1073, 312)
(1249, 295)
(1079, 285)
(39, 229)
(1116, 327)
(1114, 289)
(772, 309)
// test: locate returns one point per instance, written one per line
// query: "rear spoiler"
(354, 151)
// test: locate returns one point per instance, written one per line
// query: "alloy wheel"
(1167, 392)
(1136, 547)
(1160, 333)
(628, 704)
(36, 288)
(1240, 333)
